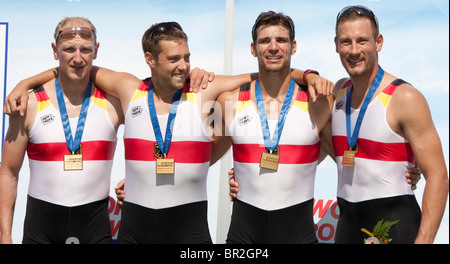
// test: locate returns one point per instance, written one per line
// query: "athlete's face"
(75, 55)
(172, 66)
(273, 48)
(357, 47)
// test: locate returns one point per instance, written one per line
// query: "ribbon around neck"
(272, 143)
(73, 143)
(352, 138)
(163, 145)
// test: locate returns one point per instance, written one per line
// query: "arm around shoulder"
(115, 83)
(15, 102)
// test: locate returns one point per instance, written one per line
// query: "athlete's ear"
(150, 59)
(379, 42)
(55, 51)
(294, 47)
(336, 44)
(97, 45)
(253, 49)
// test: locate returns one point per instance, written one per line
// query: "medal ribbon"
(352, 138)
(272, 143)
(163, 145)
(73, 144)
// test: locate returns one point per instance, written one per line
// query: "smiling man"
(381, 125)
(274, 131)
(69, 132)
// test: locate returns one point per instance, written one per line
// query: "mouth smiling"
(273, 58)
(354, 62)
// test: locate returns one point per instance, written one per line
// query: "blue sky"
(416, 49)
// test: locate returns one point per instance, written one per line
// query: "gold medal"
(165, 166)
(270, 161)
(349, 157)
(73, 161)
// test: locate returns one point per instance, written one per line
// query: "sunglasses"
(70, 33)
(361, 10)
(164, 27)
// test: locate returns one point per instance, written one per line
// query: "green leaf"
(381, 229)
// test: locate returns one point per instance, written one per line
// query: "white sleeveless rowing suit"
(62, 204)
(47, 147)
(190, 148)
(375, 187)
(269, 191)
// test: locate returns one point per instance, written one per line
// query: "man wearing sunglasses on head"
(69, 134)
(381, 125)
(168, 141)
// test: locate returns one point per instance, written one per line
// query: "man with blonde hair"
(69, 133)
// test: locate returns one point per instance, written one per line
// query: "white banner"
(3, 60)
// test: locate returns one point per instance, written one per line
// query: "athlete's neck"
(73, 90)
(163, 93)
(274, 85)
(361, 85)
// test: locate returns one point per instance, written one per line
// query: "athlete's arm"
(234, 186)
(120, 193)
(117, 84)
(416, 125)
(16, 101)
(223, 112)
(14, 148)
(317, 85)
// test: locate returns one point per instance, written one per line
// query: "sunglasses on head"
(164, 27)
(361, 10)
(70, 33)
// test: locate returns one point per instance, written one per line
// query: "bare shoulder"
(407, 93)
(230, 96)
(408, 108)
(339, 85)
(407, 102)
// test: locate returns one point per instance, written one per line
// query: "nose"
(273, 46)
(354, 50)
(77, 58)
(183, 65)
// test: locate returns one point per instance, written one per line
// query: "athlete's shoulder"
(340, 85)
(229, 96)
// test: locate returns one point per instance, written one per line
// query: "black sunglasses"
(164, 27)
(361, 10)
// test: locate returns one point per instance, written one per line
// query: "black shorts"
(354, 216)
(291, 225)
(184, 224)
(47, 223)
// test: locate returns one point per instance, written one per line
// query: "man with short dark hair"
(274, 132)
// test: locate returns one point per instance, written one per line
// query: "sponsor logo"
(47, 119)
(135, 111)
(244, 120)
(339, 105)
